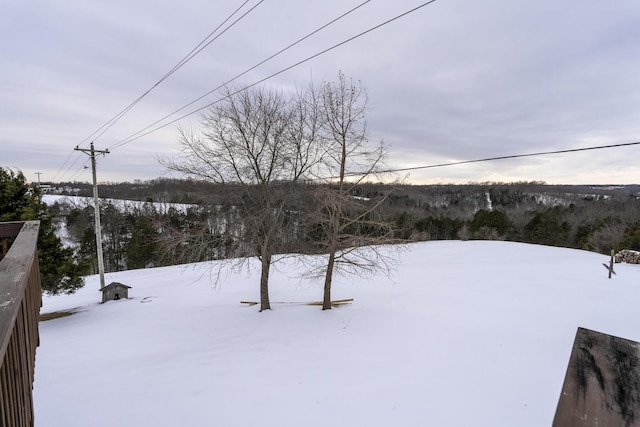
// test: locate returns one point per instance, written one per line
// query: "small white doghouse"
(115, 291)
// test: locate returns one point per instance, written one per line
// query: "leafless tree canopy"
(254, 137)
(348, 227)
(262, 143)
(288, 159)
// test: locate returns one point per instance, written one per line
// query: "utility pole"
(38, 173)
(96, 204)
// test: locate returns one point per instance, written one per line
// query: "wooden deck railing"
(20, 301)
(602, 384)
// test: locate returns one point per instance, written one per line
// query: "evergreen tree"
(141, 250)
(491, 219)
(548, 228)
(60, 271)
(441, 228)
(87, 249)
(631, 238)
(18, 202)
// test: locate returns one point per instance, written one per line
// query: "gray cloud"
(453, 81)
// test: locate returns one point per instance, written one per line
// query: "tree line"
(213, 227)
(219, 226)
(594, 218)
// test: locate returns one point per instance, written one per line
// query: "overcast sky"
(455, 80)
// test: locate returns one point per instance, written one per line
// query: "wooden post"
(610, 266)
(96, 207)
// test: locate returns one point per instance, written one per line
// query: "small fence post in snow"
(610, 266)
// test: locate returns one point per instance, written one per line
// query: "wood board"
(602, 383)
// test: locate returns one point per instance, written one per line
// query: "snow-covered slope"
(82, 202)
(464, 334)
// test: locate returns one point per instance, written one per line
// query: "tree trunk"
(326, 302)
(264, 282)
(335, 232)
(333, 247)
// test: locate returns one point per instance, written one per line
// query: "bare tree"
(349, 225)
(261, 142)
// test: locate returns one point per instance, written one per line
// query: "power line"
(79, 171)
(68, 169)
(132, 137)
(142, 133)
(63, 165)
(489, 159)
(202, 45)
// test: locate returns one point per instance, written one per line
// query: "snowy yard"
(463, 334)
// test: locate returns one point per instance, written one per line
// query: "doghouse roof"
(114, 285)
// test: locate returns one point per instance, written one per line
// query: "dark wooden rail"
(20, 300)
(602, 384)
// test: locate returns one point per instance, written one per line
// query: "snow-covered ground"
(82, 202)
(464, 334)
